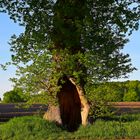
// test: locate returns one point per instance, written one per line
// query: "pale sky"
(8, 28)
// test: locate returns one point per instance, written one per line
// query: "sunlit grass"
(31, 128)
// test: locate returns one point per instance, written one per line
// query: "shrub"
(98, 103)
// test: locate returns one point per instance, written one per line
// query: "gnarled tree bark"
(85, 105)
(74, 107)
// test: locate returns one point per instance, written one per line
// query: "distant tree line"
(15, 96)
(115, 91)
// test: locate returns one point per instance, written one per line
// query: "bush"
(14, 96)
(98, 103)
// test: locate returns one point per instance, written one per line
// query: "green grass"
(35, 128)
(1, 123)
(123, 117)
(111, 130)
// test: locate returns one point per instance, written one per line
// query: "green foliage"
(99, 95)
(114, 91)
(80, 39)
(131, 96)
(132, 91)
(42, 98)
(15, 96)
(36, 128)
(98, 104)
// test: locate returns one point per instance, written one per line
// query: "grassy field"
(1, 123)
(31, 128)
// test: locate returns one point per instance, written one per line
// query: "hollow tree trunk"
(85, 105)
(73, 105)
(69, 104)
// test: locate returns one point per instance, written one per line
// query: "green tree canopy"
(114, 91)
(14, 96)
(81, 39)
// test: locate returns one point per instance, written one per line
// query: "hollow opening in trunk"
(70, 104)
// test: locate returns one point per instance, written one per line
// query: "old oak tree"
(68, 44)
